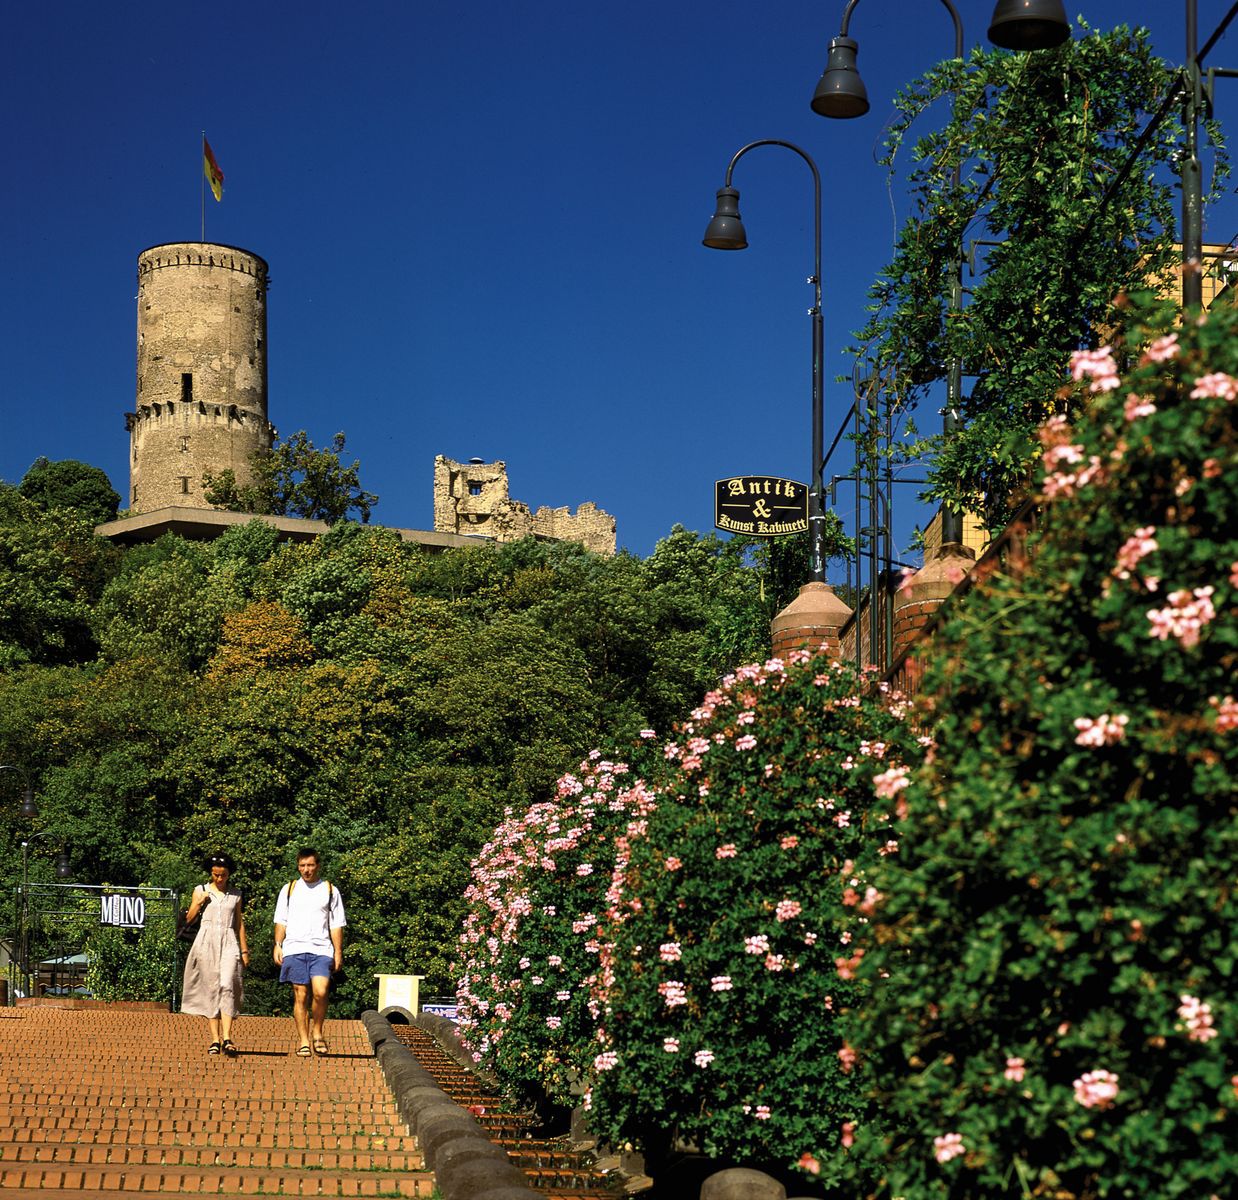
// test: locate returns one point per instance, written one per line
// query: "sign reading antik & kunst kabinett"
(761, 506)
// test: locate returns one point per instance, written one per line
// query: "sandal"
(230, 1048)
(303, 1052)
(320, 1046)
(213, 1048)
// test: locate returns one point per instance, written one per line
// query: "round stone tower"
(202, 371)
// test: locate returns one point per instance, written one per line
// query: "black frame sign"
(761, 506)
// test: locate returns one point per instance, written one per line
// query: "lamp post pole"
(726, 232)
(29, 810)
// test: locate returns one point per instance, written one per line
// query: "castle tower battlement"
(201, 371)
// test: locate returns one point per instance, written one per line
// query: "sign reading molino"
(761, 506)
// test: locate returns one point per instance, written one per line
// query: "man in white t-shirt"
(309, 947)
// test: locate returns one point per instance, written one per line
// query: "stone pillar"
(922, 595)
(811, 620)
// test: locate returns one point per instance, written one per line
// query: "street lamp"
(726, 232)
(64, 870)
(29, 809)
(1016, 25)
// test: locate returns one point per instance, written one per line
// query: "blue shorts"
(299, 968)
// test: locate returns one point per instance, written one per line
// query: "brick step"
(238, 1139)
(214, 1156)
(218, 1182)
(384, 1124)
(91, 1104)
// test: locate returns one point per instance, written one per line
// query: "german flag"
(214, 176)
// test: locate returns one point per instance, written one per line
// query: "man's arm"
(281, 925)
(337, 940)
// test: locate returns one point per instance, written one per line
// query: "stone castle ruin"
(202, 407)
(472, 498)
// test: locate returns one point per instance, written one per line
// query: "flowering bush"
(528, 947)
(1059, 932)
(737, 914)
(671, 936)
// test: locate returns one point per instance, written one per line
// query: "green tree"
(52, 572)
(81, 488)
(1035, 140)
(295, 479)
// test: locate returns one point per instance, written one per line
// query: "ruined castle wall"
(473, 498)
(201, 371)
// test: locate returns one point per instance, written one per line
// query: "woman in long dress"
(213, 971)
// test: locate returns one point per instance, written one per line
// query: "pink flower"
(847, 1059)
(948, 1146)
(787, 909)
(1103, 731)
(674, 992)
(1233, 574)
(584, 869)
(889, 783)
(727, 851)
(670, 1045)
(1162, 349)
(756, 945)
(1197, 1017)
(647, 734)
(762, 1113)
(553, 1022)
(789, 842)
(1014, 1070)
(1183, 618)
(848, 1135)
(808, 1163)
(842, 819)
(606, 1062)
(774, 962)
(670, 952)
(1098, 365)
(1138, 406)
(703, 1058)
(1138, 546)
(1218, 384)
(672, 863)
(1096, 1089)
(746, 742)
(720, 983)
(1227, 713)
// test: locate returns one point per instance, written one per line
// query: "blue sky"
(483, 224)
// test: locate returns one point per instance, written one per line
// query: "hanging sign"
(761, 506)
(122, 912)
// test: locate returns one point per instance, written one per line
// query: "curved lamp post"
(726, 232)
(1016, 25)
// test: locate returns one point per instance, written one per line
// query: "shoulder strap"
(326, 881)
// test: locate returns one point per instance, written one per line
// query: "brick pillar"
(922, 595)
(811, 620)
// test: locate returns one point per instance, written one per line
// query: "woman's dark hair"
(220, 860)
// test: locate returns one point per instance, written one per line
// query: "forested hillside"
(356, 693)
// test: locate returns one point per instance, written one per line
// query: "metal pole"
(1192, 179)
(952, 522)
(25, 908)
(816, 512)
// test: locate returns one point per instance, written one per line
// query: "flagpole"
(202, 173)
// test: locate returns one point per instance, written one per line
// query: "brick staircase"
(103, 1102)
